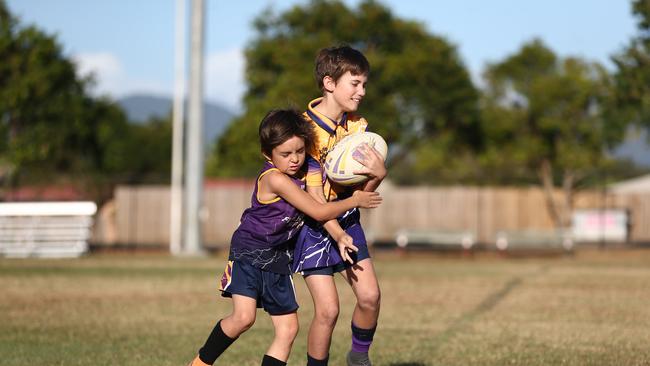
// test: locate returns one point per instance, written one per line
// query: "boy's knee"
(288, 331)
(293, 330)
(327, 314)
(244, 321)
(369, 300)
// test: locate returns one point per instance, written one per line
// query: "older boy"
(341, 73)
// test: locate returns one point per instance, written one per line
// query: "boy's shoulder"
(277, 181)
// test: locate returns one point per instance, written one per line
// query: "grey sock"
(358, 359)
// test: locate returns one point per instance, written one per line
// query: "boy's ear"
(329, 84)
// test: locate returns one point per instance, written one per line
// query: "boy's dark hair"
(336, 61)
(282, 124)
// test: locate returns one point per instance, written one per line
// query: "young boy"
(258, 273)
(341, 73)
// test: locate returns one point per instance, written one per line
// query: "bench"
(436, 238)
(534, 240)
(45, 229)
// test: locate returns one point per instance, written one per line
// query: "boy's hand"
(371, 160)
(345, 244)
(367, 199)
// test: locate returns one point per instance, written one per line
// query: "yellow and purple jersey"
(314, 247)
(328, 133)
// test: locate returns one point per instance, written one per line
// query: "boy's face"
(348, 91)
(289, 156)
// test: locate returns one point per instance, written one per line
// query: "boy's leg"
(244, 309)
(363, 280)
(227, 330)
(286, 329)
(326, 312)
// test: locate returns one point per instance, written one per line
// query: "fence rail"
(140, 215)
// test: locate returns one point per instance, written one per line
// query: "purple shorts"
(315, 249)
(341, 266)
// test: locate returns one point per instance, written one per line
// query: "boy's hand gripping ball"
(340, 163)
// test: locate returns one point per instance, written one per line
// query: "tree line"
(53, 131)
(537, 118)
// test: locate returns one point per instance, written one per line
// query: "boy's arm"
(372, 184)
(279, 184)
(343, 240)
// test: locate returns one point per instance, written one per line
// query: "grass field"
(137, 309)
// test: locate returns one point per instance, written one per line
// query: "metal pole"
(194, 146)
(176, 201)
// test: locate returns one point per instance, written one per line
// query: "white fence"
(45, 229)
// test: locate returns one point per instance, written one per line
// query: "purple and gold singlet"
(267, 229)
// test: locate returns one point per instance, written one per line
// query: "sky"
(129, 44)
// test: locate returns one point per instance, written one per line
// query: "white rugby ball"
(340, 163)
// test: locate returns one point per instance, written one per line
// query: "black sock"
(314, 362)
(272, 361)
(214, 346)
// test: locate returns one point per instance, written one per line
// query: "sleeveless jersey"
(267, 229)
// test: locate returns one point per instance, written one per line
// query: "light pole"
(176, 194)
(194, 146)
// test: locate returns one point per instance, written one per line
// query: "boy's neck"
(330, 109)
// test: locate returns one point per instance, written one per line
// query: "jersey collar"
(322, 120)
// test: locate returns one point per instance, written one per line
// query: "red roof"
(43, 193)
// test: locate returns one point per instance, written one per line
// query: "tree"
(52, 129)
(420, 95)
(547, 116)
(39, 92)
(633, 71)
(143, 155)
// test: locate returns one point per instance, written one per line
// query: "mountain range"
(139, 108)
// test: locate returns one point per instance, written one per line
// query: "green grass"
(590, 309)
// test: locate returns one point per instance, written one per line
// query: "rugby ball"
(340, 163)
